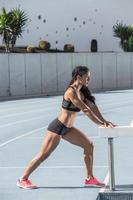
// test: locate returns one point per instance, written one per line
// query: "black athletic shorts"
(57, 127)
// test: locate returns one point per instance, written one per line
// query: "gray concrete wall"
(94, 61)
(123, 70)
(4, 75)
(33, 74)
(17, 74)
(50, 73)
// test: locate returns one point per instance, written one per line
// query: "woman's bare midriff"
(67, 117)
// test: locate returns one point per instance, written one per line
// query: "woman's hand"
(108, 124)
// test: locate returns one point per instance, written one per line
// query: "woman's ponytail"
(87, 94)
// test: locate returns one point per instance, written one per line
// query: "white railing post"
(111, 164)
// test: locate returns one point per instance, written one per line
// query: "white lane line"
(25, 120)
(29, 112)
(10, 115)
(28, 133)
(55, 167)
(25, 134)
(18, 106)
(106, 181)
(36, 137)
(32, 111)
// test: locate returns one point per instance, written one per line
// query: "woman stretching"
(77, 97)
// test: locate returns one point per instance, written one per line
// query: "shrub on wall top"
(12, 25)
(125, 33)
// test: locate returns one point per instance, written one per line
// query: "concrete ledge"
(34, 74)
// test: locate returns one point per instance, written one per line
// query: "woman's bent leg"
(76, 137)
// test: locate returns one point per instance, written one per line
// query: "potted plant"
(30, 49)
(94, 45)
(69, 48)
(45, 45)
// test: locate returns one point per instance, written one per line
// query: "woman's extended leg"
(50, 142)
(76, 137)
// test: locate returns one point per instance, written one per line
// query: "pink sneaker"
(93, 182)
(26, 184)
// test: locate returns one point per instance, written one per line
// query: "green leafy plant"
(125, 33)
(12, 25)
(18, 24)
(5, 30)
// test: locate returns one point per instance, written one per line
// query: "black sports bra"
(68, 105)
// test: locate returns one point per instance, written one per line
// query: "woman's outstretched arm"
(95, 109)
(73, 97)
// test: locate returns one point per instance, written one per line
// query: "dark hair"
(82, 70)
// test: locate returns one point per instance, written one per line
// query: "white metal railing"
(110, 134)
